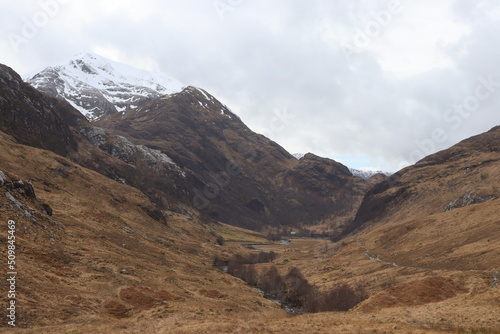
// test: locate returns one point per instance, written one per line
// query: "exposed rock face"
(154, 172)
(26, 189)
(3, 178)
(465, 174)
(19, 193)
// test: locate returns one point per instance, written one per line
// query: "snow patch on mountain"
(298, 156)
(366, 173)
(97, 86)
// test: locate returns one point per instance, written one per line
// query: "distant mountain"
(97, 86)
(367, 174)
(364, 174)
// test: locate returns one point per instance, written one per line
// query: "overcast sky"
(369, 83)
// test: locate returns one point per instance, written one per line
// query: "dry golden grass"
(237, 234)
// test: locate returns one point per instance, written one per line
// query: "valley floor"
(434, 301)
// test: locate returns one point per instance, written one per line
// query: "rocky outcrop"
(467, 199)
(3, 179)
(25, 189)
(21, 197)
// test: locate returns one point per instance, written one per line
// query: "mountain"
(97, 86)
(362, 173)
(36, 119)
(367, 174)
(187, 149)
(467, 173)
(242, 178)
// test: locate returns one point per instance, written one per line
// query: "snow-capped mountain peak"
(367, 173)
(97, 86)
(298, 156)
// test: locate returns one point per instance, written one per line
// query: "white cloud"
(266, 56)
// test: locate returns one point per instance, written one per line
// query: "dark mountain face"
(187, 150)
(33, 118)
(325, 187)
(465, 174)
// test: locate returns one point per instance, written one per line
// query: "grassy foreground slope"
(106, 253)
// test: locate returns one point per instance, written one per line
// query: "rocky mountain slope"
(35, 119)
(97, 86)
(243, 178)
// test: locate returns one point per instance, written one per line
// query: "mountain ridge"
(368, 174)
(188, 149)
(365, 174)
(462, 171)
(97, 86)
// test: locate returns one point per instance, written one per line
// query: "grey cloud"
(285, 55)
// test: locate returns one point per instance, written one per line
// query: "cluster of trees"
(276, 236)
(291, 289)
(295, 291)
